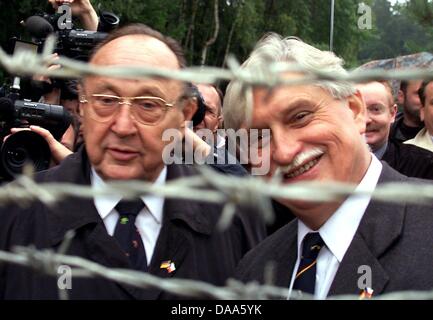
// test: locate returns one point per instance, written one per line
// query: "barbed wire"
(26, 63)
(48, 261)
(211, 186)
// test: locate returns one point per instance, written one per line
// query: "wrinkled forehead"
(374, 93)
(136, 50)
(290, 95)
(210, 95)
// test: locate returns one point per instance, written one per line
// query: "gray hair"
(273, 48)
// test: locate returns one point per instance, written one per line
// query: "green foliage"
(400, 30)
(243, 22)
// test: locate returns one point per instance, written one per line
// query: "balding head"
(139, 29)
(377, 88)
(136, 49)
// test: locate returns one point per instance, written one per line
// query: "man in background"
(409, 160)
(408, 122)
(424, 138)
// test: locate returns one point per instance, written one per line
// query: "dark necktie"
(127, 235)
(305, 279)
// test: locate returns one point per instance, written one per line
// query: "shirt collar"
(105, 204)
(339, 230)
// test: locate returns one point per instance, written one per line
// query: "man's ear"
(422, 113)
(357, 106)
(393, 112)
(80, 94)
(189, 109)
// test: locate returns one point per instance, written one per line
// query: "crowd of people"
(324, 131)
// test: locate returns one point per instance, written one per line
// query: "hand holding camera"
(82, 9)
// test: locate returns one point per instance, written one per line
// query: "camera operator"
(68, 98)
(82, 9)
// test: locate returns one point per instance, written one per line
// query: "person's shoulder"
(66, 171)
(408, 148)
(412, 207)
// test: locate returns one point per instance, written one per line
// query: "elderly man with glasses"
(124, 120)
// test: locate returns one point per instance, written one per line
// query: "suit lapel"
(172, 247)
(80, 214)
(286, 255)
(351, 273)
(379, 228)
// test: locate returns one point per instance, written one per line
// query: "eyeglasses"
(146, 110)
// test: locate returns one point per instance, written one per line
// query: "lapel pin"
(367, 293)
(168, 265)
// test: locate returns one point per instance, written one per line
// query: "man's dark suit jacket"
(395, 240)
(188, 238)
(410, 160)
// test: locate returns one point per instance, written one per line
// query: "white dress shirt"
(338, 232)
(148, 221)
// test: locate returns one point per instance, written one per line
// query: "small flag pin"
(168, 265)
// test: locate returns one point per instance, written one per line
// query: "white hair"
(273, 48)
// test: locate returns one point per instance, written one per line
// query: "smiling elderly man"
(317, 135)
(123, 122)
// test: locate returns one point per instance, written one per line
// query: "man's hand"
(52, 97)
(82, 9)
(58, 150)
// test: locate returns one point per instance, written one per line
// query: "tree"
(398, 30)
(242, 23)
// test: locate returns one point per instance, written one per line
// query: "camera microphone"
(38, 27)
(7, 108)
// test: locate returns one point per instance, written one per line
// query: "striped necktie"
(127, 235)
(305, 279)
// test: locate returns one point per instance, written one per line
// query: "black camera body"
(27, 147)
(71, 42)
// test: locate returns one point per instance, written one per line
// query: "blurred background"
(397, 27)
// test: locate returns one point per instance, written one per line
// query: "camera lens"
(16, 157)
(21, 148)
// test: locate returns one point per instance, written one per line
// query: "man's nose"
(285, 146)
(369, 118)
(124, 123)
